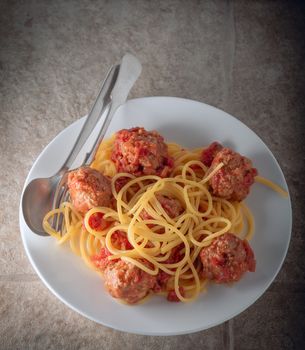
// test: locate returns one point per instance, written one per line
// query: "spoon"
(38, 196)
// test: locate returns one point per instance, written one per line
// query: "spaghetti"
(156, 241)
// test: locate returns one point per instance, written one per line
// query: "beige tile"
(32, 318)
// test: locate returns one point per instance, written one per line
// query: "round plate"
(191, 124)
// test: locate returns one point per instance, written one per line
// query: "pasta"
(157, 240)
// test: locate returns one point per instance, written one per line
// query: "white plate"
(191, 124)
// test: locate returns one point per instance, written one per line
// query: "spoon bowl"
(40, 191)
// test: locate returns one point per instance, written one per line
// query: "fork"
(124, 82)
(42, 195)
(102, 101)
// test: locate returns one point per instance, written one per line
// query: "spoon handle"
(102, 101)
(130, 70)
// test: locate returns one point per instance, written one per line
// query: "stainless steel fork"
(44, 194)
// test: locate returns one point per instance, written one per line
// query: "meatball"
(171, 206)
(89, 188)
(227, 258)
(126, 281)
(234, 179)
(101, 260)
(209, 153)
(120, 241)
(140, 152)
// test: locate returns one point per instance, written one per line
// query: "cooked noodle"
(204, 217)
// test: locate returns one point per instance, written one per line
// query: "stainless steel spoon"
(38, 196)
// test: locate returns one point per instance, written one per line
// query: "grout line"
(228, 51)
(226, 338)
(228, 335)
(23, 277)
(231, 334)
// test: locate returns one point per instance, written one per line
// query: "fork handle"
(102, 101)
(130, 70)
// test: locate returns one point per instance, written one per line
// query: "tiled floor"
(246, 57)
